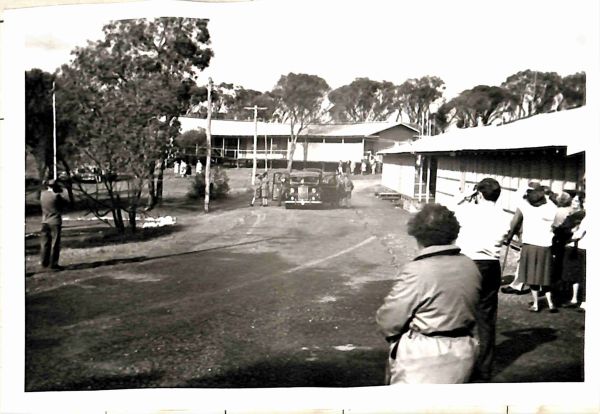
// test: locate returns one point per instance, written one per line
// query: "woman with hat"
(535, 217)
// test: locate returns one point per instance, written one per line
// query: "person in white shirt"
(483, 225)
(535, 216)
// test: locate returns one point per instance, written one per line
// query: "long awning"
(575, 129)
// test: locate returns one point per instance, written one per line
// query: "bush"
(219, 184)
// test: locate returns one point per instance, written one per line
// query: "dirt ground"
(247, 297)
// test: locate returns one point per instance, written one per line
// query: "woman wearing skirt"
(535, 216)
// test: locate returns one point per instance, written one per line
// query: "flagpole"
(54, 131)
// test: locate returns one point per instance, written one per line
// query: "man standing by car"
(483, 225)
(347, 186)
(53, 205)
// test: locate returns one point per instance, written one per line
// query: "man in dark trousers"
(483, 226)
(53, 205)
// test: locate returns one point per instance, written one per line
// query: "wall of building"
(386, 139)
(332, 150)
(513, 170)
(398, 173)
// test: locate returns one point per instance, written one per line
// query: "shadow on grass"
(228, 202)
(109, 382)
(519, 342)
(354, 369)
(140, 259)
(86, 237)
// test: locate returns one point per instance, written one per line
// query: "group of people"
(345, 188)
(550, 258)
(365, 166)
(184, 169)
(261, 189)
(440, 317)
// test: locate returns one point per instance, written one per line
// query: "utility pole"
(208, 149)
(255, 108)
(54, 130)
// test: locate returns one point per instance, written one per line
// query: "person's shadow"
(519, 342)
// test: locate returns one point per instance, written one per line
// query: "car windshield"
(304, 179)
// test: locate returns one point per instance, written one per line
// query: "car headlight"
(292, 198)
(313, 198)
(314, 190)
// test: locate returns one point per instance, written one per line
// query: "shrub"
(219, 184)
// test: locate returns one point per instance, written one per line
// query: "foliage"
(573, 91)
(363, 100)
(536, 91)
(417, 95)
(230, 101)
(523, 94)
(38, 118)
(245, 98)
(219, 184)
(191, 139)
(122, 96)
(300, 102)
(480, 105)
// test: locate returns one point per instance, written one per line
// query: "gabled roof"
(360, 129)
(231, 128)
(574, 129)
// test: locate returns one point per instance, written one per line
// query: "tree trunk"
(159, 180)
(291, 154)
(132, 219)
(117, 214)
(151, 187)
(118, 218)
(305, 152)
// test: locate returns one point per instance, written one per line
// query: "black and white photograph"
(285, 206)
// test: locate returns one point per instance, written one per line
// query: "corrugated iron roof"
(574, 129)
(231, 128)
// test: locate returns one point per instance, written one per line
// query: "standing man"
(257, 194)
(53, 205)
(483, 225)
(264, 189)
(348, 186)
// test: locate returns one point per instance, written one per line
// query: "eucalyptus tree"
(123, 95)
(300, 101)
(363, 100)
(536, 91)
(481, 105)
(415, 97)
(573, 90)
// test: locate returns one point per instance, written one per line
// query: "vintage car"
(311, 188)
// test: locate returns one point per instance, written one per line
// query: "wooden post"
(428, 179)
(208, 149)
(266, 154)
(255, 108)
(420, 177)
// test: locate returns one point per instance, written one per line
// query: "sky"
(464, 42)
